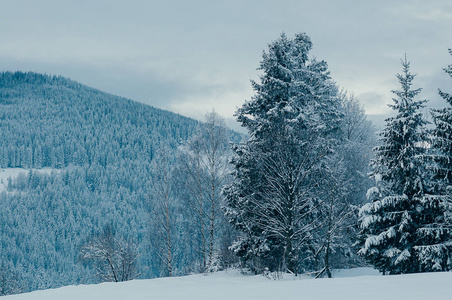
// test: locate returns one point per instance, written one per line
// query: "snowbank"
(233, 285)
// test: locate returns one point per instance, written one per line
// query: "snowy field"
(353, 284)
(14, 172)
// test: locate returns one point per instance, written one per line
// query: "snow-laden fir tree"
(442, 136)
(393, 224)
(291, 119)
(436, 255)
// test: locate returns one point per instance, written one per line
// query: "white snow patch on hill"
(14, 172)
(233, 285)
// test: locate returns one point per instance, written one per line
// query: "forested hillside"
(49, 121)
(137, 192)
(102, 149)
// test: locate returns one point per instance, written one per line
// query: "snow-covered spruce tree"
(442, 136)
(436, 254)
(291, 121)
(391, 224)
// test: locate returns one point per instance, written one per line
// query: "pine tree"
(390, 222)
(290, 120)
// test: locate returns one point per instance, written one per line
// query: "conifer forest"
(96, 187)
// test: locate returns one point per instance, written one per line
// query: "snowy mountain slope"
(232, 285)
(102, 149)
(49, 121)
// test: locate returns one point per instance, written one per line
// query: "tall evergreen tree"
(442, 136)
(290, 120)
(436, 253)
(390, 222)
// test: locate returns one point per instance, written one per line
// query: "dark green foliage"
(389, 223)
(437, 251)
(291, 120)
(442, 138)
(404, 228)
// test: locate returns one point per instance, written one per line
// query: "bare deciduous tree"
(215, 162)
(203, 169)
(114, 259)
(163, 213)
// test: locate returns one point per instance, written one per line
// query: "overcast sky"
(192, 56)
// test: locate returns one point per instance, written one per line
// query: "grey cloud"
(201, 54)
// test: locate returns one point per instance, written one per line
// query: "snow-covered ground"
(14, 172)
(233, 286)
